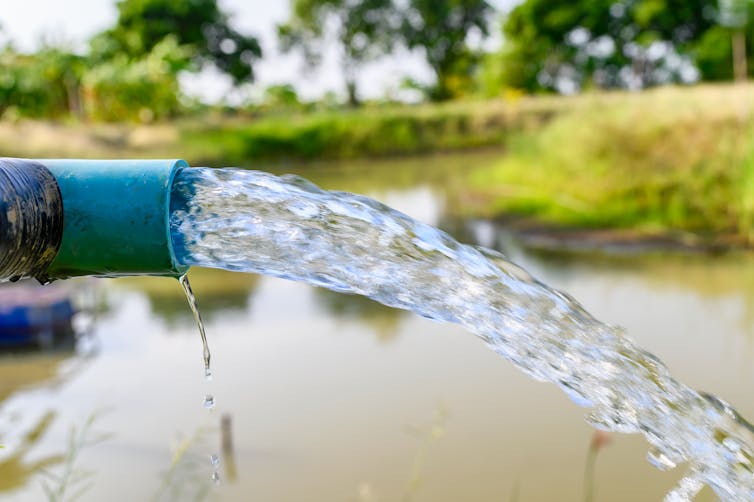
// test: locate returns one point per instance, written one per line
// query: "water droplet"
(209, 401)
(214, 460)
(208, 374)
(216, 478)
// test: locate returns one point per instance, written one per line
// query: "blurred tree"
(489, 78)
(45, 84)
(566, 45)
(362, 29)
(201, 24)
(280, 96)
(734, 14)
(141, 89)
(441, 28)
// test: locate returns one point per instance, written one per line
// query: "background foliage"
(131, 70)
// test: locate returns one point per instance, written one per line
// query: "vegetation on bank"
(366, 132)
(370, 131)
(670, 159)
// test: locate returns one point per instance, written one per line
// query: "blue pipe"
(113, 218)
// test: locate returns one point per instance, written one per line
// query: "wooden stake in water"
(198, 318)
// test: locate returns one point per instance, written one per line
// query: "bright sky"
(28, 22)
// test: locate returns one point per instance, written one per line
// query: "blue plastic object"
(34, 319)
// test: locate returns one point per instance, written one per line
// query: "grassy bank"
(347, 134)
(667, 160)
(372, 132)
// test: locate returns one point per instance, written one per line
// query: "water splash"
(287, 227)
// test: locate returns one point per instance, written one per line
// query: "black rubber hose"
(31, 219)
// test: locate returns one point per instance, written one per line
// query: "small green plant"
(184, 479)
(16, 468)
(426, 436)
(73, 481)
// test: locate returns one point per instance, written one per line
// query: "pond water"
(325, 397)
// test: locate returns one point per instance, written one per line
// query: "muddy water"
(329, 398)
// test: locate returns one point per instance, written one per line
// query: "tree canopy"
(441, 29)
(565, 45)
(132, 69)
(366, 29)
(362, 30)
(200, 24)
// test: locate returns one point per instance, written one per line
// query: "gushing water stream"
(286, 227)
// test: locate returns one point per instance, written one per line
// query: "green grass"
(370, 132)
(668, 159)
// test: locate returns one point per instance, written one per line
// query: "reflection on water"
(16, 469)
(322, 410)
(219, 293)
(383, 320)
(21, 372)
(24, 372)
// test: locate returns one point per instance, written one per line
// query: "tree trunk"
(441, 91)
(73, 95)
(353, 97)
(739, 55)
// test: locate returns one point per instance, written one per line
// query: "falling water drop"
(214, 460)
(209, 401)
(216, 477)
